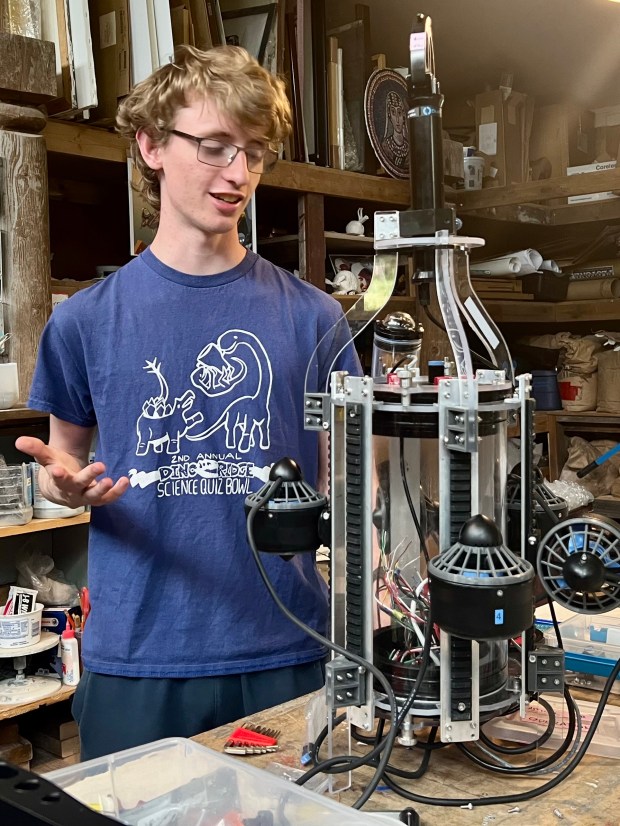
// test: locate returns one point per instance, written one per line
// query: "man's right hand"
(63, 479)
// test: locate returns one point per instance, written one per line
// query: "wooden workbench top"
(590, 796)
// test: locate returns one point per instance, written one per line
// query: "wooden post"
(311, 220)
(24, 232)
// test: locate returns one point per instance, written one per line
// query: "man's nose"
(238, 170)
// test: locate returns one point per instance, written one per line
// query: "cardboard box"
(503, 127)
(66, 287)
(110, 35)
(452, 159)
(564, 135)
(584, 169)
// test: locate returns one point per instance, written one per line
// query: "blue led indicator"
(499, 616)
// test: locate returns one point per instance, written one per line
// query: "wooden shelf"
(532, 192)
(15, 414)
(64, 693)
(519, 202)
(90, 142)
(405, 303)
(287, 246)
(537, 312)
(36, 525)
(84, 141)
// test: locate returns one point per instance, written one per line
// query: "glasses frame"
(269, 153)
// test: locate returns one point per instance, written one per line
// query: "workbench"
(590, 796)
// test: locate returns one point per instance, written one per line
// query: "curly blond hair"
(226, 75)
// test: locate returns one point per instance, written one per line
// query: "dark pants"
(116, 713)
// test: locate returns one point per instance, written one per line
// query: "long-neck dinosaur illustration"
(235, 376)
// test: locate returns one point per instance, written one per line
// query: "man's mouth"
(229, 199)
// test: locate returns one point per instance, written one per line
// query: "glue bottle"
(70, 657)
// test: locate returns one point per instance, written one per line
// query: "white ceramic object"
(9, 385)
(357, 227)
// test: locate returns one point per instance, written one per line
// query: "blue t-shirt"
(196, 385)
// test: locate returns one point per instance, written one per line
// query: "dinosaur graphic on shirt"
(161, 423)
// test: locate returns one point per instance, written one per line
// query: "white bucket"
(43, 508)
(17, 630)
(473, 169)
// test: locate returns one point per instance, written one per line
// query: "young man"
(191, 364)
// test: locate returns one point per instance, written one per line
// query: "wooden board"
(27, 69)
(26, 247)
(52, 745)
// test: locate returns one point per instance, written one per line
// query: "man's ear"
(149, 149)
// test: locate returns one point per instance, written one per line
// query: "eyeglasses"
(216, 153)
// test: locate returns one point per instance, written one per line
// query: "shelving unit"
(36, 525)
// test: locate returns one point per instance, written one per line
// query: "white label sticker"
(417, 40)
(107, 30)
(487, 138)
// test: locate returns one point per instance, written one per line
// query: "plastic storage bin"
(591, 643)
(15, 495)
(177, 782)
(605, 742)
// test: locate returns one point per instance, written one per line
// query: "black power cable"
(412, 509)
(533, 767)
(386, 746)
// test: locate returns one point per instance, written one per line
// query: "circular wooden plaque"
(385, 109)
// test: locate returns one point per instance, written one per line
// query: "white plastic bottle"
(70, 657)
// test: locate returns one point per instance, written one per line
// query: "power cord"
(386, 746)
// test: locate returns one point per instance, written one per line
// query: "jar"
(396, 343)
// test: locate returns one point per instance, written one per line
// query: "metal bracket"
(545, 670)
(316, 411)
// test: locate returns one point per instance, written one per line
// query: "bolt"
(556, 663)
(531, 540)
(544, 662)
(556, 681)
(543, 680)
(461, 706)
(339, 697)
(448, 728)
(325, 425)
(339, 677)
(500, 593)
(349, 694)
(532, 658)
